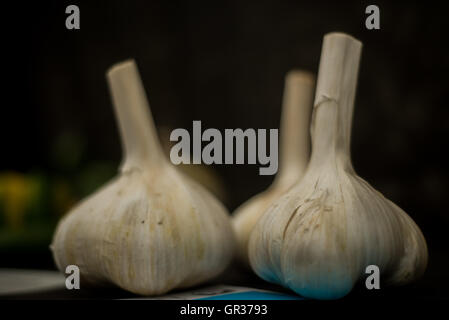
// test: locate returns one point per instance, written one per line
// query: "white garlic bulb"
(320, 236)
(295, 150)
(151, 229)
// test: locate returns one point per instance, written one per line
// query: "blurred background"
(223, 64)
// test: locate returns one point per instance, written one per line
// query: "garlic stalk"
(295, 150)
(151, 229)
(319, 237)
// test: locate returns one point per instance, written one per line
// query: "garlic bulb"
(295, 149)
(151, 229)
(319, 237)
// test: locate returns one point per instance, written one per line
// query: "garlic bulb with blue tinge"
(318, 238)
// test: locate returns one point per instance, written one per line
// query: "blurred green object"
(25, 215)
(93, 176)
(31, 237)
(22, 197)
(30, 205)
(67, 150)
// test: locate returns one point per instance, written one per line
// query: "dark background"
(224, 64)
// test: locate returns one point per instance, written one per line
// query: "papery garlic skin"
(321, 235)
(151, 229)
(319, 240)
(295, 151)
